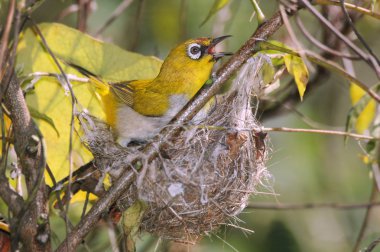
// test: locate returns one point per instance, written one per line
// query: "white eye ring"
(194, 51)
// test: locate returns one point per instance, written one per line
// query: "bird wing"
(124, 92)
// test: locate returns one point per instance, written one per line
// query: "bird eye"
(194, 51)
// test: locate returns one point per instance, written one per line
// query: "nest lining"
(205, 176)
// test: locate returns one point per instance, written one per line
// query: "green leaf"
(267, 70)
(37, 115)
(131, 221)
(217, 6)
(298, 69)
(370, 146)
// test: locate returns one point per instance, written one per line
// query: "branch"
(185, 115)
(307, 206)
(115, 14)
(5, 34)
(319, 131)
(31, 224)
(328, 64)
(366, 219)
(366, 57)
(373, 245)
(350, 6)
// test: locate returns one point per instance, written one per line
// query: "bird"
(138, 109)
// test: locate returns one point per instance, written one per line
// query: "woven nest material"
(205, 176)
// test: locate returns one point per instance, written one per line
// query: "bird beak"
(211, 48)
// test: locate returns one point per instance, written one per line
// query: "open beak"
(211, 48)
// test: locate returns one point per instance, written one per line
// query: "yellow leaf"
(50, 98)
(297, 68)
(367, 114)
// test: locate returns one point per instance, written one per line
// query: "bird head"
(192, 61)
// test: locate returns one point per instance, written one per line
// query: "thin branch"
(150, 151)
(5, 34)
(358, 35)
(91, 218)
(84, 7)
(291, 98)
(366, 220)
(115, 14)
(372, 245)
(348, 6)
(330, 65)
(136, 25)
(319, 44)
(72, 8)
(73, 109)
(310, 206)
(366, 57)
(319, 131)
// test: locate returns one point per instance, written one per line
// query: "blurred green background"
(305, 168)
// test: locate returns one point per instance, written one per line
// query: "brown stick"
(31, 225)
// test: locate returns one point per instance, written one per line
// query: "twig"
(150, 151)
(348, 6)
(321, 74)
(319, 131)
(307, 206)
(116, 13)
(136, 25)
(366, 57)
(358, 35)
(91, 218)
(83, 11)
(319, 44)
(67, 11)
(73, 109)
(366, 220)
(330, 65)
(293, 37)
(5, 35)
(372, 245)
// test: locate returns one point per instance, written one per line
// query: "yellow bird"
(138, 109)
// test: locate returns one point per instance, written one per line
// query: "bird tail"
(102, 86)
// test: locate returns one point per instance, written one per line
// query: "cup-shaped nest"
(202, 178)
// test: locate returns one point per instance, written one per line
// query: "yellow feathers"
(138, 109)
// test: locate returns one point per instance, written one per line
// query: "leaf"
(217, 6)
(37, 115)
(49, 98)
(267, 70)
(131, 221)
(363, 111)
(298, 69)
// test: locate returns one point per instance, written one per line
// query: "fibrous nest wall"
(201, 179)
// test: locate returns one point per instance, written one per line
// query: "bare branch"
(5, 35)
(366, 57)
(358, 35)
(319, 44)
(373, 245)
(310, 206)
(366, 220)
(349, 6)
(115, 14)
(319, 131)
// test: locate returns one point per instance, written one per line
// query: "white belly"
(131, 125)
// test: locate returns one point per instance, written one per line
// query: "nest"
(205, 176)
